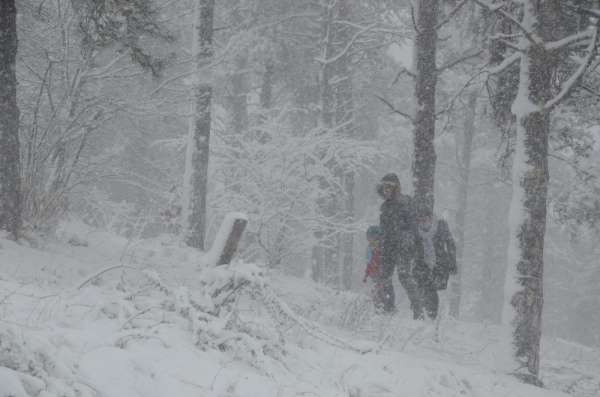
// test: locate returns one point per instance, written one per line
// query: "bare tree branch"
(348, 45)
(569, 40)
(461, 59)
(502, 66)
(402, 71)
(451, 14)
(393, 109)
(413, 17)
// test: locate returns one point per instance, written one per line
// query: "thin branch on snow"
(584, 11)
(502, 66)
(450, 14)
(102, 71)
(402, 71)
(489, 6)
(461, 59)
(380, 29)
(572, 81)
(507, 15)
(512, 45)
(590, 90)
(506, 36)
(450, 106)
(347, 47)
(413, 17)
(101, 272)
(393, 109)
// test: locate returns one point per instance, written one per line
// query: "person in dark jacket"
(435, 260)
(398, 226)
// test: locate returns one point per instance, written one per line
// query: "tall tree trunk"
(196, 165)
(464, 167)
(524, 282)
(344, 117)
(426, 79)
(10, 189)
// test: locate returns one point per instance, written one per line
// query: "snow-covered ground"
(97, 315)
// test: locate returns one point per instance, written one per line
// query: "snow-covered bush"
(286, 180)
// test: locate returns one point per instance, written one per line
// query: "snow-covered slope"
(154, 322)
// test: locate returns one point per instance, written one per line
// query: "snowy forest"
(351, 198)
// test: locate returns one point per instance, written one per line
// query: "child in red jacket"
(374, 270)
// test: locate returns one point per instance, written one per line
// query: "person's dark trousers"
(388, 297)
(412, 291)
(427, 292)
(430, 299)
(403, 263)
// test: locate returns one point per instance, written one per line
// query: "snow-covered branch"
(459, 60)
(572, 81)
(451, 14)
(569, 40)
(497, 8)
(502, 66)
(347, 47)
(102, 71)
(379, 29)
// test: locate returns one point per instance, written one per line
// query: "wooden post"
(226, 242)
(231, 245)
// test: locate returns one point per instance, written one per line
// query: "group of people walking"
(420, 247)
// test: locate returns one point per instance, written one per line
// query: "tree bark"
(464, 168)
(10, 189)
(426, 79)
(197, 155)
(524, 282)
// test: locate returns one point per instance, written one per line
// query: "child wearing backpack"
(374, 269)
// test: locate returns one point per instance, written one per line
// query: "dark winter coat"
(398, 226)
(445, 258)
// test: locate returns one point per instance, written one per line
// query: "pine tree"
(125, 23)
(544, 40)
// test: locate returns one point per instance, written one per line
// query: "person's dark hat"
(374, 231)
(390, 178)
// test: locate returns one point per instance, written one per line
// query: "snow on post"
(227, 239)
